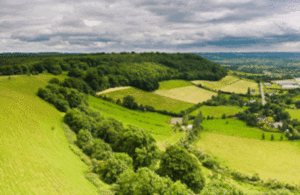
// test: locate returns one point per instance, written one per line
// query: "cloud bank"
(142, 25)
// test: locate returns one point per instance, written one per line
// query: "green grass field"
(191, 94)
(171, 84)
(217, 111)
(270, 159)
(241, 87)
(146, 98)
(295, 114)
(216, 85)
(237, 128)
(153, 122)
(35, 155)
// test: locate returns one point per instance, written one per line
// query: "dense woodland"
(102, 71)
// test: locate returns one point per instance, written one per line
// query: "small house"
(189, 127)
(176, 120)
(277, 124)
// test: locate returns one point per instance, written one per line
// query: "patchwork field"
(241, 87)
(229, 84)
(216, 85)
(237, 128)
(270, 159)
(191, 94)
(146, 98)
(171, 84)
(217, 111)
(35, 155)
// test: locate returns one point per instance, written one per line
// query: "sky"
(87, 26)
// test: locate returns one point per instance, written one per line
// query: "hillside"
(35, 155)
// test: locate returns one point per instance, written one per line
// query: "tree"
(221, 188)
(140, 146)
(224, 116)
(198, 120)
(128, 101)
(272, 137)
(146, 182)
(101, 150)
(85, 141)
(178, 164)
(263, 136)
(297, 104)
(185, 118)
(74, 98)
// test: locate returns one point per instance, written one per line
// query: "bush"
(221, 188)
(54, 81)
(62, 105)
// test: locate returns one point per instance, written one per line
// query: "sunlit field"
(191, 94)
(171, 84)
(217, 111)
(216, 85)
(35, 155)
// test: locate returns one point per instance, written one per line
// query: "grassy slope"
(217, 111)
(151, 99)
(34, 158)
(237, 128)
(191, 94)
(270, 159)
(155, 123)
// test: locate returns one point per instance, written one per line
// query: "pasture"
(171, 84)
(35, 154)
(270, 159)
(216, 85)
(190, 94)
(146, 98)
(237, 128)
(217, 111)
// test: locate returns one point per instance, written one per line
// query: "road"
(262, 94)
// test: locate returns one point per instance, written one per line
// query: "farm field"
(35, 154)
(217, 111)
(241, 87)
(171, 84)
(191, 94)
(270, 159)
(146, 98)
(216, 85)
(237, 128)
(229, 84)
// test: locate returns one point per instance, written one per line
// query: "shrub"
(54, 81)
(221, 188)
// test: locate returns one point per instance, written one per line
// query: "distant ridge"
(230, 55)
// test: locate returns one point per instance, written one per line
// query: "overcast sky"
(157, 25)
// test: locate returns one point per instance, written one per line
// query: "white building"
(297, 79)
(290, 86)
(285, 82)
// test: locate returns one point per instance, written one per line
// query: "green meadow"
(217, 111)
(153, 122)
(171, 84)
(270, 159)
(35, 155)
(146, 98)
(237, 128)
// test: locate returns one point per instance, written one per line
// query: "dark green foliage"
(178, 164)
(146, 182)
(109, 130)
(75, 72)
(62, 105)
(54, 81)
(78, 84)
(85, 141)
(101, 150)
(111, 169)
(128, 101)
(77, 120)
(224, 116)
(139, 144)
(74, 98)
(221, 188)
(297, 104)
(263, 136)
(272, 137)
